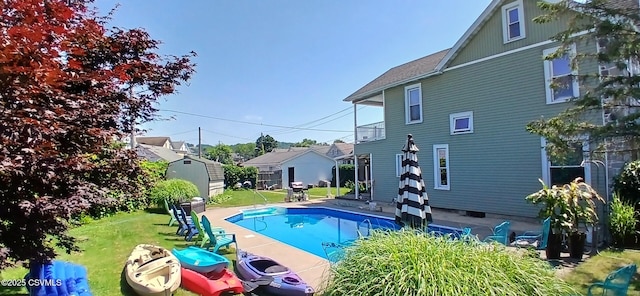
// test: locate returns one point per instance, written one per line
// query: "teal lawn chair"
(203, 237)
(530, 238)
(616, 283)
(500, 233)
(173, 217)
(217, 241)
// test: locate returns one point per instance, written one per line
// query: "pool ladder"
(370, 226)
(255, 192)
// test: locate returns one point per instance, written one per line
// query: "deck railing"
(371, 132)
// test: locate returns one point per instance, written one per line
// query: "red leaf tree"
(68, 88)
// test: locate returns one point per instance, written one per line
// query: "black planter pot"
(576, 245)
(554, 245)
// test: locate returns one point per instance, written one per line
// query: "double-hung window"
(413, 103)
(441, 166)
(561, 80)
(513, 21)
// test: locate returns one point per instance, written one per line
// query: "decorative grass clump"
(405, 263)
(173, 190)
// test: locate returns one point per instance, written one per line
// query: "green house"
(467, 108)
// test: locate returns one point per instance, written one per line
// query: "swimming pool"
(308, 228)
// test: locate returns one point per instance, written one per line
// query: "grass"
(243, 197)
(597, 268)
(402, 263)
(106, 244)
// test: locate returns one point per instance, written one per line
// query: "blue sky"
(265, 66)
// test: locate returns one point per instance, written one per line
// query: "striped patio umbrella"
(412, 204)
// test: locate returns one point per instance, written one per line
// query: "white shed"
(208, 175)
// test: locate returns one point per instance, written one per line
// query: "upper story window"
(513, 21)
(461, 123)
(561, 82)
(413, 103)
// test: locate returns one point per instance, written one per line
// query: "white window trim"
(407, 112)
(452, 123)
(398, 165)
(505, 21)
(546, 163)
(436, 168)
(547, 76)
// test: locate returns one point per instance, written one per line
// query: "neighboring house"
(283, 166)
(156, 153)
(155, 141)
(467, 108)
(179, 147)
(342, 152)
(206, 174)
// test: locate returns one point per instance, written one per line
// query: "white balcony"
(370, 132)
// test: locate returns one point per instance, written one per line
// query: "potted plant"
(555, 207)
(580, 200)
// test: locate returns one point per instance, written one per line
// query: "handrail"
(368, 229)
(255, 192)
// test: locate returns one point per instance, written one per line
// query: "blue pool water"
(308, 228)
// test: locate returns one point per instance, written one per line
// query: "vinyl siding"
(194, 172)
(495, 167)
(489, 39)
(309, 168)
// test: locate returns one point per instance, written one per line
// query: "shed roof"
(214, 168)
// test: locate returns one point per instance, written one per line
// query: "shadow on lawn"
(125, 289)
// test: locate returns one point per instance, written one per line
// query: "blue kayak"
(201, 260)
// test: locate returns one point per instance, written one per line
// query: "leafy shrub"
(403, 263)
(155, 171)
(347, 173)
(622, 220)
(234, 174)
(173, 190)
(627, 183)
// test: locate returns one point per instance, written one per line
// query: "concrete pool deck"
(314, 269)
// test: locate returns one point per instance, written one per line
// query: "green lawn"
(598, 267)
(107, 244)
(243, 197)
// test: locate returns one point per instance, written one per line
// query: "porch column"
(371, 176)
(355, 141)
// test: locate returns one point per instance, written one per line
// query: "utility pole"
(199, 142)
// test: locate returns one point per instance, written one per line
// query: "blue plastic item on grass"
(57, 278)
(201, 260)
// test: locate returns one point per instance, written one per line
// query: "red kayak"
(211, 284)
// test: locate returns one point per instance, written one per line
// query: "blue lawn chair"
(500, 233)
(616, 283)
(182, 226)
(217, 240)
(192, 229)
(541, 236)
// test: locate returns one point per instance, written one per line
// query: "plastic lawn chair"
(217, 241)
(500, 233)
(202, 237)
(541, 237)
(170, 212)
(182, 226)
(190, 226)
(616, 283)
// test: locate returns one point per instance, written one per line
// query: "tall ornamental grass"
(404, 263)
(173, 190)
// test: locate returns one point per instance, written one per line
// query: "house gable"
(486, 37)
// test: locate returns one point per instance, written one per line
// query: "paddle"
(256, 283)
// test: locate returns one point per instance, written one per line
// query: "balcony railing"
(370, 132)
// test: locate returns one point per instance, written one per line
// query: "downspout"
(371, 176)
(355, 155)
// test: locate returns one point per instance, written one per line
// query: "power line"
(313, 121)
(253, 123)
(221, 134)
